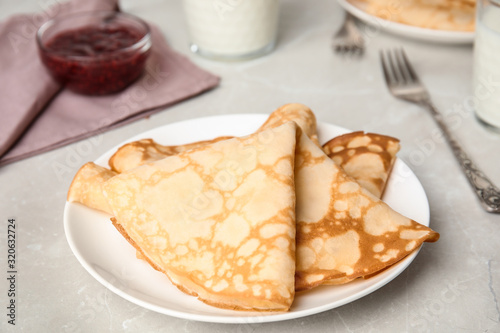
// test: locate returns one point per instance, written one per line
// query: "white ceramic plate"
(110, 259)
(430, 35)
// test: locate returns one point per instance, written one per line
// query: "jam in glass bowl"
(95, 53)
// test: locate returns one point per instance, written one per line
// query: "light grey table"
(452, 286)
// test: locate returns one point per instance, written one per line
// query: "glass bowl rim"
(145, 41)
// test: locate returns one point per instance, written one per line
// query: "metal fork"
(404, 83)
(348, 40)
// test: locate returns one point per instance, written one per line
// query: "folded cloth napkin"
(37, 115)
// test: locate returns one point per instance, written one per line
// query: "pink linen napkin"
(37, 115)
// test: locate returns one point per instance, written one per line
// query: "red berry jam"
(96, 59)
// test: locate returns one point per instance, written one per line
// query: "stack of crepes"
(450, 15)
(243, 223)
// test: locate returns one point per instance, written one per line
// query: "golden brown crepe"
(451, 15)
(143, 151)
(86, 187)
(368, 158)
(343, 231)
(218, 220)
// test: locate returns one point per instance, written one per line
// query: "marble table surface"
(452, 285)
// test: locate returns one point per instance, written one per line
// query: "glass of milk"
(232, 29)
(486, 80)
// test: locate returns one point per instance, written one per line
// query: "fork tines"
(343, 48)
(397, 67)
(348, 40)
(400, 77)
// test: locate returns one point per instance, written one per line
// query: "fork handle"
(488, 193)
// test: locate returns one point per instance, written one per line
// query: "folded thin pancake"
(368, 158)
(343, 231)
(86, 187)
(218, 220)
(143, 151)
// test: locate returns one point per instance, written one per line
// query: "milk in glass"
(486, 81)
(232, 29)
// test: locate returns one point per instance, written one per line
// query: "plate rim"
(423, 34)
(385, 277)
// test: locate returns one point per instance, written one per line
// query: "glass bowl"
(95, 53)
